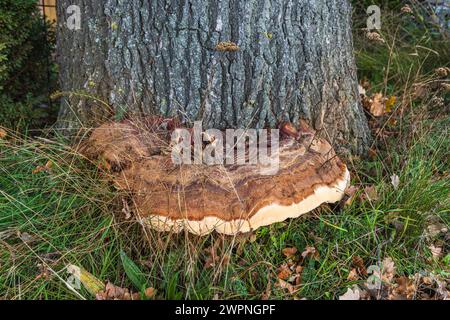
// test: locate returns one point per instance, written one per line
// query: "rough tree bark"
(295, 61)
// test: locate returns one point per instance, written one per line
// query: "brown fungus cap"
(204, 198)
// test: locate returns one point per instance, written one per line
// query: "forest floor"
(57, 209)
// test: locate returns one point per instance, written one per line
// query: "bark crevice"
(295, 61)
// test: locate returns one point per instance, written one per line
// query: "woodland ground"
(57, 208)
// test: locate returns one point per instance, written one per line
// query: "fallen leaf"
(89, 281)
(126, 209)
(290, 252)
(3, 133)
(284, 272)
(113, 292)
(377, 104)
(150, 293)
(395, 181)
(405, 289)
(392, 122)
(436, 251)
(25, 237)
(351, 294)
(350, 192)
(387, 270)
(427, 280)
(442, 289)
(435, 229)
(361, 90)
(371, 193)
(419, 90)
(390, 102)
(49, 164)
(43, 168)
(286, 285)
(358, 263)
(353, 275)
(310, 252)
(377, 107)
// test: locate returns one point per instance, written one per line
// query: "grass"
(70, 214)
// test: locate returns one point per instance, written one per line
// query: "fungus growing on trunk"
(229, 199)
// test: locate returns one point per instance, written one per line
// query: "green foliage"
(26, 75)
(71, 216)
(136, 276)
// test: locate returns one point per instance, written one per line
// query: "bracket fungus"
(202, 198)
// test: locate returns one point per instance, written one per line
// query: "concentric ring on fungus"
(205, 198)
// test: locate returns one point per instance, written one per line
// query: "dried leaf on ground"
(350, 193)
(419, 90)
(43, 168)
(361, 90)
(353, 275)
(286, 285)
(25, 237)
(289, 274)
(378, 105)
(405, 288)
(436, 251)
(395, 181)
(310, 252)
(375, 105)
(284, 272)
(89, 281)
(435, 229)
(370, 193)
(387, 270)
(150, 293)
(359, 264)
(351, 294)
(389, 104)
(126, 209)
(3, 133)
(113, 292)
(290, 252)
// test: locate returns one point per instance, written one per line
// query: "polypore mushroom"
(227, 199)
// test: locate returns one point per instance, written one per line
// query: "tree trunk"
(294, 61)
